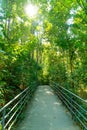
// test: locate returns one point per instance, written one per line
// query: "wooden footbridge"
(52, 108)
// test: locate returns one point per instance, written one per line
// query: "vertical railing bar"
(3, 119)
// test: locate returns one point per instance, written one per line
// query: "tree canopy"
(52, 45)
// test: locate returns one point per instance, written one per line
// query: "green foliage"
(18, 43)
(0, 127)
(65, 27)
(62, 26)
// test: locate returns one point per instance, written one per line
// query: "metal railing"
(11, 111)
(75, 104)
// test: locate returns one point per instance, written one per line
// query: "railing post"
(28, 95)
(3, 119)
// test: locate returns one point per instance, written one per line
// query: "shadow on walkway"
(46, 112)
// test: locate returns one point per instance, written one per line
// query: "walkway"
(47, 113)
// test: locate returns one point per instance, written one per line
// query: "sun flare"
(31, 10)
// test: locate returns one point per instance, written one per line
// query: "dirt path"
(47, 113)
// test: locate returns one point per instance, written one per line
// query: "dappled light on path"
(47, 113)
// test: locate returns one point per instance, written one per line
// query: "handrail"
(13, 100)
(11, 111)
(75, 104)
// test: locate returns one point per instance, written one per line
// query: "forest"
(48, 44)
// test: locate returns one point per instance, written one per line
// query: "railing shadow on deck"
(75, 104)
(12, 110)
